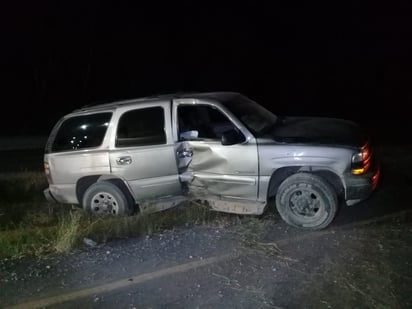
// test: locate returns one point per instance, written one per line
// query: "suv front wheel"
(105, 198)
(307, 201)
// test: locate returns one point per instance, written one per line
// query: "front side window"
(81, 132)
(208, 121)
(141, 127)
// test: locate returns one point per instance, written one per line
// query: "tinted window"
(81, 132)
(141, 127)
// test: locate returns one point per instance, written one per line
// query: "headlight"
(361, 160)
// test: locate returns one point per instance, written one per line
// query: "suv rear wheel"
(105, 198)
(307, 201)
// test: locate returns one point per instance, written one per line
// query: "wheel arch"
(85, 182)
(282, 173)
(333, 179)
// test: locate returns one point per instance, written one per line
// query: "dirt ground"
(363, 260)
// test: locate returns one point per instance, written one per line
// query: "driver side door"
(207, 167)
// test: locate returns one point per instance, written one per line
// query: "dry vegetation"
(31, 226)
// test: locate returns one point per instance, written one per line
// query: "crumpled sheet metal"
(205, 179)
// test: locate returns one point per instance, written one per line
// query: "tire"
(105, 198)
(306, 201)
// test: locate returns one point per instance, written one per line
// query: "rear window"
(81, 132)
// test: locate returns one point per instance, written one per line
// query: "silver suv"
(152, 153)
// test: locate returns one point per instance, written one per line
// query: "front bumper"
(360, 187)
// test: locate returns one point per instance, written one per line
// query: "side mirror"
(189, 135)
(232, 137)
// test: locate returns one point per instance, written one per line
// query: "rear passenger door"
(144, 153)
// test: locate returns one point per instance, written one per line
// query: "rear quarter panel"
(68, 167)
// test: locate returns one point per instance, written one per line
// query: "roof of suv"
(220, 95)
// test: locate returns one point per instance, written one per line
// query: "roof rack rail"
(96, 102)
(156, 95)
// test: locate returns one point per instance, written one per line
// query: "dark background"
(349, 59)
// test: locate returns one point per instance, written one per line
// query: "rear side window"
(81, 132)
(141, 127)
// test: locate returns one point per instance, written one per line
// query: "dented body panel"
(226, 171)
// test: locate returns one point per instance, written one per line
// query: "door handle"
(185, 153)
(124, 160)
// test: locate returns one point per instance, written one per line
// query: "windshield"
(254, 116)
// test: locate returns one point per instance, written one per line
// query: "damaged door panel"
(218, 170)
(210, 170)
(224, 176)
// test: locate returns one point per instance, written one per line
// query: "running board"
(237, 206)
(160, 205)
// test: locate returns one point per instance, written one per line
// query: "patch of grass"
(104, 229)
(23, 241)
(68, 232)
(20, 194)
(22, 186)
(31, 226)
(64, 231)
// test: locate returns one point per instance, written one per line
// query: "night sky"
(351, 60)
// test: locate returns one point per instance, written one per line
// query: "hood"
(318, 130)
